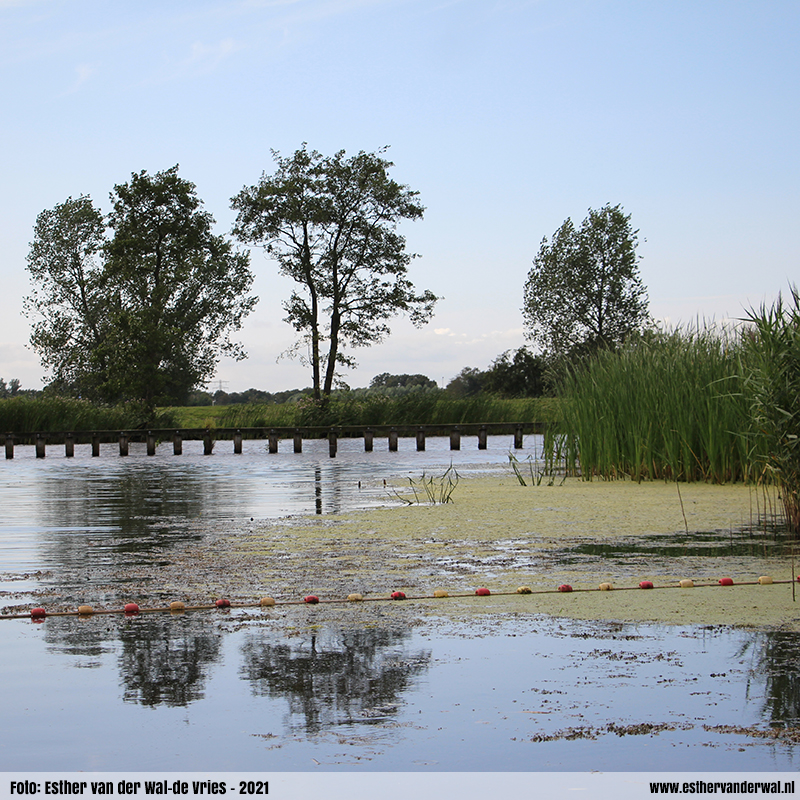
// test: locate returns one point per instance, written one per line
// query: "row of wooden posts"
(273, 435)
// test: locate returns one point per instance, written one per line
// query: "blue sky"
(507, 116)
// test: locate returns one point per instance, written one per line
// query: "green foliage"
(10, 389)
(387, 381)
(331, 224)
(413, 409)
(671, 406)
(468, 383)
(774, 390)
(520, 374)
(584, 292)
(146, 314)
(54, 414)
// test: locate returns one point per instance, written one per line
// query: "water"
(372, 687)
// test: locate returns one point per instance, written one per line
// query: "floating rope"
(179, 607)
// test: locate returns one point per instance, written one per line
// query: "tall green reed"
(774, 388)
(50, 414)
(414, 409)
(671, 406)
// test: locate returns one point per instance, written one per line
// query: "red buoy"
(131, 609)
(726, 581)
(565, 587)
(312, 598)
(482, 592)
(38, 612)
(223, 603)
(398, 595)
(646, 585)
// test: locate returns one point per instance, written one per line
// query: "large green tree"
(584, 291)
(143, 314)
(331, 222)
(65, 305)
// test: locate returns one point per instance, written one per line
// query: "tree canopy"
(331, 224)
(584, 291)
(143, 314)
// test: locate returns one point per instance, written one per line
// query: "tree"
(388, 381)
(146, 314)
(331, 224)
(65, 304)
(584, 291)
(519, 375)
(467, 383)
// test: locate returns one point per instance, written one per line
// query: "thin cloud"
(206, 58)
(83, 73)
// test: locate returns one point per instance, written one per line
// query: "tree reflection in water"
(336, 677)
(164, 663)
(777, 664)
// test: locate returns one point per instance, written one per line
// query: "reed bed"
(61, 414)
(416, 409)
(674, 407)
(773, 384)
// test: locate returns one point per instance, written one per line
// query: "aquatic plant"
(670, 406)
(435, 490)
(773, 342)
(412, 409)
(53, 414)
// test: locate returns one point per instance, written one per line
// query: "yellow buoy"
(765, 580)
(85, 610)
(267, 601)
(686, 583)
(605, 587)
(439, 593)
(177, 606)
(355, 597)
(524, 590)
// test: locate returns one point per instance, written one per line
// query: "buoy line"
(179, 607)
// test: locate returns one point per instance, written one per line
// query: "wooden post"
(208, 443)
(151, 443)
(123, 444)
(332, 444)
(40, 445)
(9, 445)
(177, 443)
(420, 439)
(237, 443)
(455, 438)
(273, 441)
(392, 441)
(368, 440)
(95, 445)
(518, 437)
(482, 438)
(298, 441)
(69, 445)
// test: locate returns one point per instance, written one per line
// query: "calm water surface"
(379, 689)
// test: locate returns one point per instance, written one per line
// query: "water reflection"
(776, 663)
(337, 677)
(166, 661)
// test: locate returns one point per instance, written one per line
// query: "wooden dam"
(211, 436)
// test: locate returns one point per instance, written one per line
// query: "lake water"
(376, 688)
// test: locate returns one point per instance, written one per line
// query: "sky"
(507, 116)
